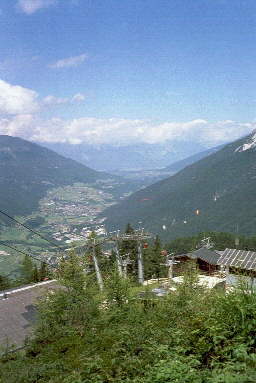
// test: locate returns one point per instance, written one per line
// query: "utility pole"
(125, 263)
(140, 264)
(206, 242)
(96, 265)
(170, 270)
(140, 258)
(170, 262)
(118, 259)
(139, 236)
(237, 238)
(90, 246)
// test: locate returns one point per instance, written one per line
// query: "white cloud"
(225, 131)
(121, 131)
(69, 62)
(52, 100)
(15, 99)
(78, 97)
(19, 117)
(21, 126)
(31, 6)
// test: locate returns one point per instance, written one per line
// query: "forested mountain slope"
(28, 171)
(217, 193)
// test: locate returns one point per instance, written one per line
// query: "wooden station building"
(239, 265)
(206, 259)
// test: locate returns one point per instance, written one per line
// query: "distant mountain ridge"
(216, 193)
(149, 176)
(179, 165)
(111, 158)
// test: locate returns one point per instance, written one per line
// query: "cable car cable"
(24, 253)
(32, 231)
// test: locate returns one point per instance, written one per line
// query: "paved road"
(18, 312)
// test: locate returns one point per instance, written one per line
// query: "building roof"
(18, 312)
(241, 259)
(206, 255)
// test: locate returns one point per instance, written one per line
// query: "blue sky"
(131, 70)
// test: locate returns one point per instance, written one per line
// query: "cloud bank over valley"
(22, 113)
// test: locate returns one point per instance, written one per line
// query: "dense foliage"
(30, 272)
(193, 335)
(5, 282)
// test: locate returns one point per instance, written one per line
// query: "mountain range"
(179, 165)
(114, 158)
(59, 197)
(217, 193)
(28, 171)
(146, 177)
(214, 193)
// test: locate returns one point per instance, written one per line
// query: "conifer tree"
(27, 270)
(107, 263)
(4, 282)
(43, 272)
(71, 272)
(35, 274)
(153, 260)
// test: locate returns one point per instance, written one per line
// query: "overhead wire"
(83, 248)
(24, 253)
(32, 231)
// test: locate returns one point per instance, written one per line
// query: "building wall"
(204, 266)
(236, 280)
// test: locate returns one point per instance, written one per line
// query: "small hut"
(206, 259)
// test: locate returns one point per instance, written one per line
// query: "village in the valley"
(72, 211)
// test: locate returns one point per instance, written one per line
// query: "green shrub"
(191, 336)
